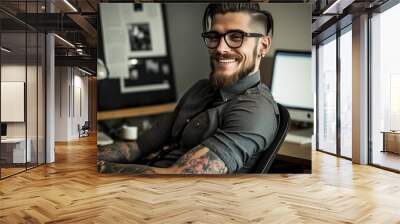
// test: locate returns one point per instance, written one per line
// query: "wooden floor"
(70, 191)
(10, 171)
(386, 159)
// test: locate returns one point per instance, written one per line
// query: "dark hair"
(257, 15)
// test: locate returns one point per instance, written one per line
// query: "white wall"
(33, 126)
(82, 82)
(80, 93)
(292, 26)
(12, 73)
(61, 103)
(70, 83)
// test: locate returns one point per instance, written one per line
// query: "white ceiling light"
(70, 5)
(86, 72)
(5, 50)
(65, 41)
(338, 6)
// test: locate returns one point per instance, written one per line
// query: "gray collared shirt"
(237, 123)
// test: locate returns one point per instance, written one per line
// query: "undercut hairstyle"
(258, 15)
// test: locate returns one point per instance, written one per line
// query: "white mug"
(128, 132)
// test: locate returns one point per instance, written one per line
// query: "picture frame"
(131, 32)
(146, 76)
(146, 31)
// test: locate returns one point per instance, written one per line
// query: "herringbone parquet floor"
(70, 191)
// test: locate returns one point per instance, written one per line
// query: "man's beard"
(218, 80)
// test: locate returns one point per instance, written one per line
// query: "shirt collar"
(240, 86)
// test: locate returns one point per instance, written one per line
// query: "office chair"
(267, 158)
(84, 130)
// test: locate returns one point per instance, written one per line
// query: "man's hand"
(109, 167)
(119, 152)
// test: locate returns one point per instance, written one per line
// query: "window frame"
(378, 10)
(345, 26)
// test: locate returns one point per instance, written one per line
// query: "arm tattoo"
(119, 152)
(201, 160)
(108, 167)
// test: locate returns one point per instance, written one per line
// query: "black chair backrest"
(86, 125)
(266, 159)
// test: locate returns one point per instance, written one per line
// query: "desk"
(136, 111)
(13, 150)
(391, 141)
(292, 158)
(295, 151)
(297, 144)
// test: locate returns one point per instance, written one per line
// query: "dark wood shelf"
(135, 111)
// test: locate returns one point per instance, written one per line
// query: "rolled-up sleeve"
(157, 136)
(248, 126)
(161, 133)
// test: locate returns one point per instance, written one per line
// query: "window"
(327, 96)
(385, 88)
(346, 92)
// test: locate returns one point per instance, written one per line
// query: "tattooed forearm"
(108, 167)
(200, 160)
(119, 152)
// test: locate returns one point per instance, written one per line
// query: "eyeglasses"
(233, 38)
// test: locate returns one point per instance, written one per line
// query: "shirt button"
(197, 124)
(187, 120)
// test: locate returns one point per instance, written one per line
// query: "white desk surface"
(13, 140)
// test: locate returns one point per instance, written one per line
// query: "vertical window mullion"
(317, 96)
(37, 90)
(338, 73)
(369, 100)
(26, 86)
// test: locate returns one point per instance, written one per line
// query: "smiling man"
(220, 125)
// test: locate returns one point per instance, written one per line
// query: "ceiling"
(332, 15)
(76, 22)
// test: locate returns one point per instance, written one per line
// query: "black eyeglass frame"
(244, 34)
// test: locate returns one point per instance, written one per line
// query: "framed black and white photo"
(133, 44)
(147, 75)
(146, 31)
(139, 37)
(131, 31)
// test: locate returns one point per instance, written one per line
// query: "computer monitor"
(3, 129)
(292, 83)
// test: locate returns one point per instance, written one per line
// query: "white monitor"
(292, 83)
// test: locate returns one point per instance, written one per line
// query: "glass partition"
(13, 109)
(32, 99)
(22, 76)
